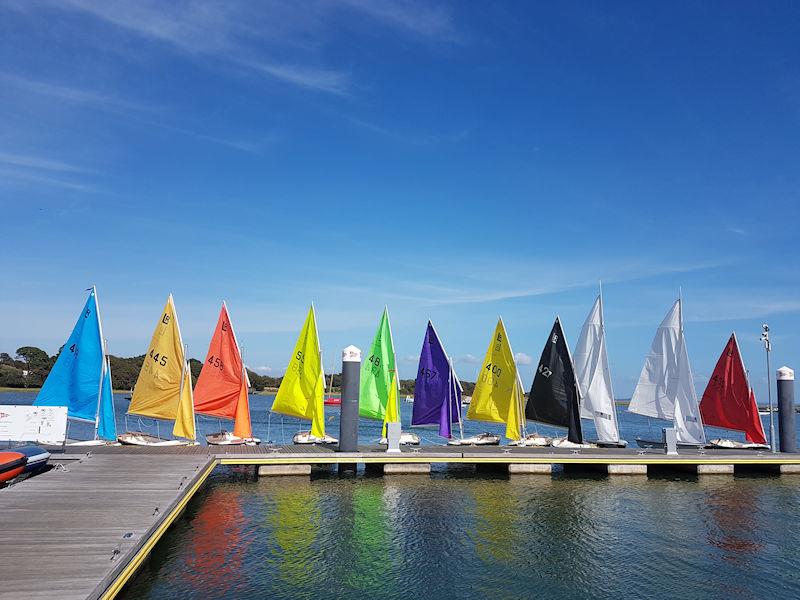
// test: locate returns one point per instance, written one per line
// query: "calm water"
(280, 429)
(459, 536)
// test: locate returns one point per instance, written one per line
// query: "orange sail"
(222, 387)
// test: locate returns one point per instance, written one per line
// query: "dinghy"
(222, 389)
(555, 395)
(81, 377)
(594, 379)
(437, 390)
(482, 439)
(163, 389)
(379, 385)
(665, 389)
(12, 464)
(498, 395)
(301, 390)
(532, 440)
(729, 401)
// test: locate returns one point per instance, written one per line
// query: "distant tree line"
(29, 367)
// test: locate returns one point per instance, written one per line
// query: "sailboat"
(555, 396)
(164, 387)
(377, 398)
(301, 390)
(594, 379)
(330, 399)
(437, 391)
(498, 395)
(223, 386)
(665, 389)
(729, 401)
(81, 377)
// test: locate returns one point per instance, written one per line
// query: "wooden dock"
(82, 529)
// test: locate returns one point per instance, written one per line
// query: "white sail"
(665, 389)
(594, 376)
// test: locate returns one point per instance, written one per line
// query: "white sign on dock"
(25, 423)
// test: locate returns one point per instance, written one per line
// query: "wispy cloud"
(311, 78)
(75, 95)
(468, 359)
(422, 19)
(523, 359)
(42, 170)
(27, 176)
(417, 138)
(38, 163)
(263, 369)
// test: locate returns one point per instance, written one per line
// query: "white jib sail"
(594, 376)
(665, 389)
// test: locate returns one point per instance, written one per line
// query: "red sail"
(221, 389)
(727, 401)
(755, 434)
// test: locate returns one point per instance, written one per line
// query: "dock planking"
(65, 529)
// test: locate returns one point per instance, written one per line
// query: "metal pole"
(768, 349)
(348, 421)
(786, 431)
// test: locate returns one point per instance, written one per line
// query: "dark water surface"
(460, 535)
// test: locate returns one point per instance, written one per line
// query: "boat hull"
(224, 438)
(482, 439)
(659, 445)
(305, 437)
(406, 439)
(725, 443)
(36, 458)
(12, 464)
(144, 439)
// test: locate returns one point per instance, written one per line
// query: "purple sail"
(437, 393)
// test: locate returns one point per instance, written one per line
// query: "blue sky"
(456, 161)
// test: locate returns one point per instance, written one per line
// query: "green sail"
(376, 372)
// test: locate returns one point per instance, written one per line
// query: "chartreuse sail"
(378, 373)
(78, 378)
(301, 391)
(498, 394)
(164, 387)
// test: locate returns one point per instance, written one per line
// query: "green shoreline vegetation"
(30, 365)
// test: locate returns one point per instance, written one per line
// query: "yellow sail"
(301, 391)
(162, 391)
(392, 411)
(497, 397)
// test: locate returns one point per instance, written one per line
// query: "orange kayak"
(11, 465)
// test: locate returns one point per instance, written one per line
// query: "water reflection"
(495, 537)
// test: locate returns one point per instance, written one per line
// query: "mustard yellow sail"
(302, 388)
(497, 397)
(392, 411)
(164, 387)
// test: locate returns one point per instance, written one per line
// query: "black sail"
(554, 394)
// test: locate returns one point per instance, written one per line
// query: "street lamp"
(768, 349)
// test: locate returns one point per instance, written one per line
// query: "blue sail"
(74, 381)
(106, 424)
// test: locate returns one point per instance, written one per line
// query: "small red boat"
(333, 401)
(11, 465)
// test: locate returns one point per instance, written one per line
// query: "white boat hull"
(144, 439)
(482, 439)
(225, 438)
(725, 443)
(305, 437)
(531, 440)
(565, 443)
(406, 439)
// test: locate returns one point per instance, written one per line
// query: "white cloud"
(263, 369)
(523, 359)
(469, 359)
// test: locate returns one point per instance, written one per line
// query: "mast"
(185, 362)
(103, 362)
(521, 425)
(605, 366)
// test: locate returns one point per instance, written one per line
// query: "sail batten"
(497, 394)
(554, 395)
(594, 376)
